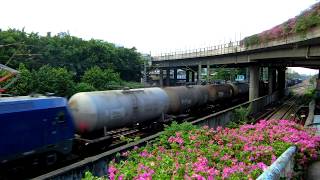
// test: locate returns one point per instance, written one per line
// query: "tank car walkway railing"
(234, 47)
(97, 164)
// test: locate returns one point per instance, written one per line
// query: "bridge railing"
(235, 47)
(227, 48)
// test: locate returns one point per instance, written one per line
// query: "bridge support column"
(161, 78)
(254, 82)
(208, 73)
(168, 77)
(192, 76)
(175, 75)
(318, 87)
(271, 80)
(187, 75)
(281, 80)
(199, 74)
(247, 74)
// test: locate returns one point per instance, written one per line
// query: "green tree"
(54, 80)
(227, 73)
(101, 79)
(83, 87)
(24, 84)
(72, 53)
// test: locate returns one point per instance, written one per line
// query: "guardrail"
(98, 164)
(234, 47)
(282, 167)
(226, 48)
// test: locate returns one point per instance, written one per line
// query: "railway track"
(287, 109)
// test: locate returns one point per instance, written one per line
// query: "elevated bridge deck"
(294, 50)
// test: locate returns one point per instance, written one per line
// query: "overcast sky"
(151, 25)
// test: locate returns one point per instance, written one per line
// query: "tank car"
(219, 91)
(113, 109)
(182, 98)
(240, 89)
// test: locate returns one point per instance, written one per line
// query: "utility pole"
(145, 73)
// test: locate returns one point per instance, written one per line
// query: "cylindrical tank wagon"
(93, 111)
(117, 108)
(219, 91)
(183, 98)
(239, 89)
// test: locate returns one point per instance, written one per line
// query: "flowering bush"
(187, 152)
(300, 24)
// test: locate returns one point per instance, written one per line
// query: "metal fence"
(234, 47)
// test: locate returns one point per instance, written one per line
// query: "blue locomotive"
(34, 127)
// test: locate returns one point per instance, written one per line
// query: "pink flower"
(144, 153)
(112, 172)
(262, 166)
(198, 177)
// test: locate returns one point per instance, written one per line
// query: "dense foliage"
(300, 24)
(186, 152)
(64, 50)
(101, 79)
(228, 74)
(62, 82)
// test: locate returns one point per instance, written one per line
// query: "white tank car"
(117, 108)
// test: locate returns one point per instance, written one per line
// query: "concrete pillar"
(192, 76)
(318, 87)
(271, 80)
(281, 79)
(187, 75)
(161, 78)
(208, 73)
(175, 76)
(254, 82)
(199, 74)
(247, 74)
(168, 77)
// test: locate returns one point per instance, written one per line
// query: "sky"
(152, 26)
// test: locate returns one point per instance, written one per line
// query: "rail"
(234, 47)
(98, 164)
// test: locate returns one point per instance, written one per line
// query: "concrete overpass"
(293, 51)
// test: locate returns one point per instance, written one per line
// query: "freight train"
(43, 129)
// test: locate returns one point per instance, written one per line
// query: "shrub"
(54, 80)
(24, 84)
(304, 23)
(187, 152)
(300, 24)
(251, 40)
(101, 79)
(83, 87)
